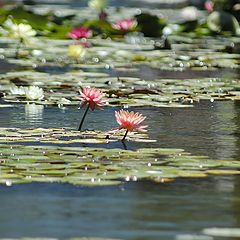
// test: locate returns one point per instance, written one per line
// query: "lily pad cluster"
(46, 155)
(121, 91)
(120, 65)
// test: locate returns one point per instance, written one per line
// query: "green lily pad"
(56, 161)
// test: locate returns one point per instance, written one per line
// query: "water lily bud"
(97, 4)
(76, 51)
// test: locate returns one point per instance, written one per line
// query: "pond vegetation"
(133, 59)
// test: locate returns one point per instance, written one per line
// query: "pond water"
(134, 211)
(208, 128)
(137, 210)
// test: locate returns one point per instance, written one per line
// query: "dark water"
(140, 210)
(116, 3)
(133, 211)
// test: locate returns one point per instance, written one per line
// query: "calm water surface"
(210, 129)
(140, 210)
(132, 211)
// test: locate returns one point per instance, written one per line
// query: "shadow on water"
(7, 67)
(53, 69)
(148, 73)
(116, 3)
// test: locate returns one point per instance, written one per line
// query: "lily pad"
(58, 161)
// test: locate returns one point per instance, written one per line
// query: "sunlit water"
(140, 210)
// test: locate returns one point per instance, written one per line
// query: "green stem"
(83, 118)
(125, 135)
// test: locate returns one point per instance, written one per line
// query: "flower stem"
(125, 135)
(18, 48)
(84, 115)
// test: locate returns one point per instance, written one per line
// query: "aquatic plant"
(77, 51)
(130, 121)
(34, 93)
(22, 32)
(209, 6)
(190, 13)
(15, 90)
(125, 24)
(31, 92)
(80, 32)
(97, 4)
(150, 25)
(92, 97)
(221, 21)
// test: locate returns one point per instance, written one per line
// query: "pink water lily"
(209, 6)
(80, 32)
(125, 24)
(131, 121)
(92, 98)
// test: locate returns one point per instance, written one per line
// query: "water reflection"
(209, 128)
(225, 128)
(139, 210)
(34, 113)
(236, 199)
(237, 131)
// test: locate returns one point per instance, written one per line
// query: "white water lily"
(190, 13)
(97, 4)
(77, 51)
(170, 29)
(15, 90)
(34, 93)
(23, 32)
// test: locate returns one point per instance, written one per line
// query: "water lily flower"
(131, 121)
(125, 24)
(77, 51)
(92, 97)
(190, 13)
(170, 29)
(98, 5)
(209, 6)
(34, 93)
(80, 32)
(23, 32)
(15, 90)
